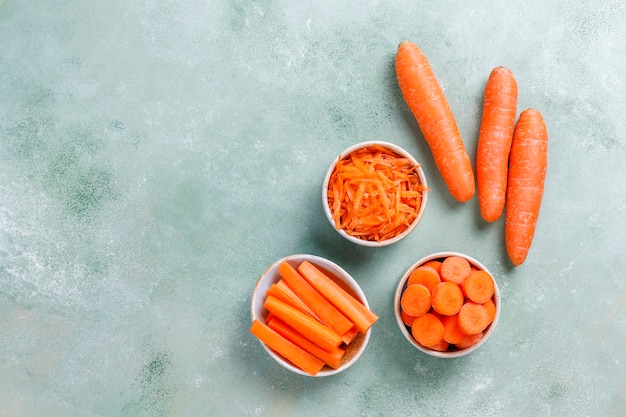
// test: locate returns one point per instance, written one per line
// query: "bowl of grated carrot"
(374, 193)
(310, 315)
(447, 304)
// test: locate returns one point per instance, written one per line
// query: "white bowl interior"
(407, 334)
(397, 149)
(271, 275)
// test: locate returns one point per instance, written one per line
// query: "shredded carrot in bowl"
(374, 193)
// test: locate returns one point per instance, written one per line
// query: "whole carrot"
(494, 142)
(426, 100)
(527, 171)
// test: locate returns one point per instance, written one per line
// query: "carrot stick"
(294, 354)
(427, 330)
(320, 306)
(292, 298)
(494, 142)
(455, 269)
(478, 287)
(310, 328)
(427, 102)
(415, 300)
(355, 311)
(473, 318)
(447, 298)
(331, 358)
(424, 275)
(527, 172)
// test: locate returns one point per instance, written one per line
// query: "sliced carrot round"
(473, 318)
(453, 333)
(478, 287)
(455, 269)
(427, 330)
(424, 275)
(415, 300)
(447, 298)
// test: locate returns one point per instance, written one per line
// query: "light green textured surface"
(157, 156)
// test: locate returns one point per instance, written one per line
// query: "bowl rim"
(402, 285)
(270, 275)
(397, 149)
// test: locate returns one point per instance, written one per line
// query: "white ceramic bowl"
(354, 350)
(405, 330)
(400, 151)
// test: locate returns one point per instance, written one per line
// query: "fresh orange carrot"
(362, 317)
(415, 300)
(426, 100)
(453, 333)
(406, 318)
(294, 354)
(447, 298)
(434, 264)
(424, 275)
(470, 340)
(442, 346)
(491, 309)
(331, 358)
(478, 287)
(455, 269)
(427, 330)
(494, 142)
(286, 294)
(528, 163)
(374, 194)
(473, 318)
(310, 328)
(321, 307)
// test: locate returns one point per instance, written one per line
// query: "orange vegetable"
(491, 309)
(362, 317)
(470, 340)
(283, 292)
(447, 298)
(294, 354)
(310, 328)
(407, 319)
(434, 264)
(427, 330)
(374, 194)
(455, 269)
(478, 287)
(426, 100)
(331, 358)
(321, 307)
(494, 142)
(415, 300)
(442, 346)
(473, 318)
(528, 164)
(453, 333)
(426, 276)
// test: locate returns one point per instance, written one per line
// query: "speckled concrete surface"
(156, 157)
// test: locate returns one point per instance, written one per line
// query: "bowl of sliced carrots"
(310, 315)
(374, 193)
(447, 304)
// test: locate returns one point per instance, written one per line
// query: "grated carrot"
(374, 193)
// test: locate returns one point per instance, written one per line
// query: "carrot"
(331, 358)
(478, 287)
(470, 340)
(453, 333)
(374, 194)
(310, 328)
(528, 164)
(494, 142)
(294, 354)
(447, 298)
(424, 275)
(415, 300)
(442, 346)
(491, 309)
(427, 330)
(285, 293)
(354, 310)
(473, 318)
(434, 264)
(427, 102)
(407, 319)
(455, 269)
(321, 307)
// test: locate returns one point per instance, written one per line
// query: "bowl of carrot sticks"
(374, 193)
(310, 315)
(447, 304)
